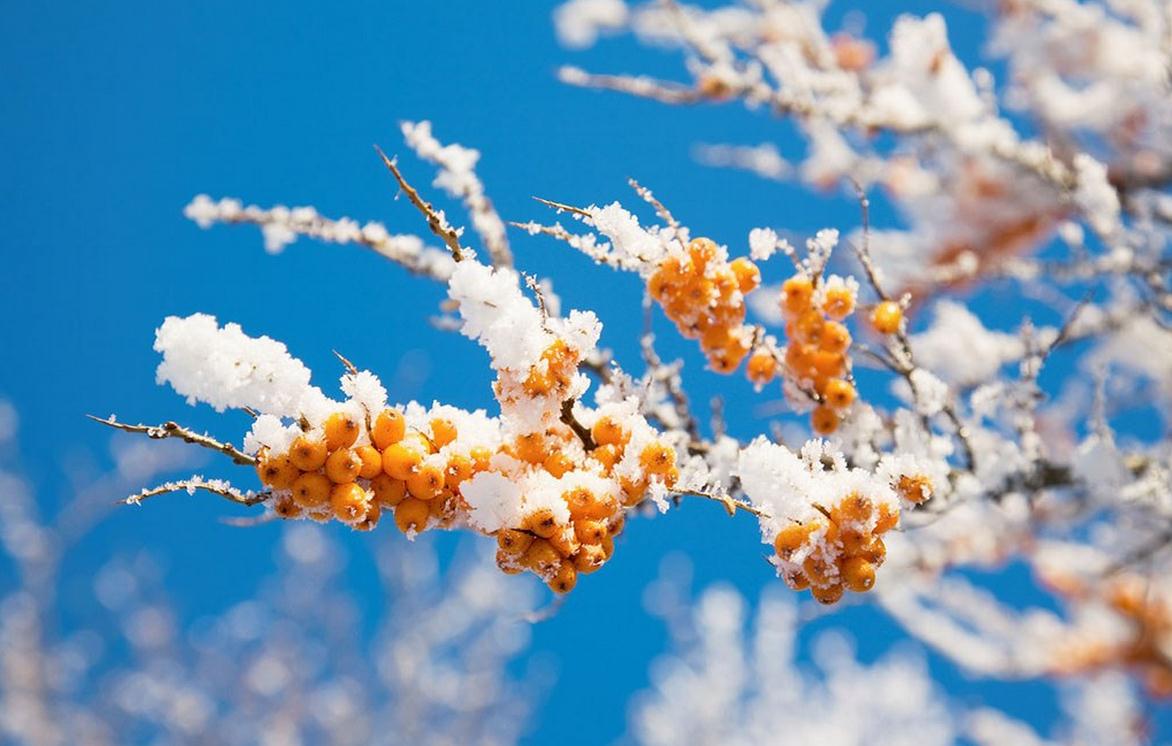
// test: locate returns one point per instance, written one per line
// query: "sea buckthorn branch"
(731, 504)
(175, 430)
(923, 94)
(549, 486)
(887, 319)
(669, 377)
(641, 86)
(214, 486)
(458, 178)
(436, 221)
(282, 226)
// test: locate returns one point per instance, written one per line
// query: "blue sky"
(117, 114)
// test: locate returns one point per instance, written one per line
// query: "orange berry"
(419, 441)
(311, 490)
(389, 428)
(531, 448)
(615, 523)
(798, 356)
(341, 430)
(854, 540)
(797, 292)
(633, 490)
(412, 515)
(608, 547)
(762, 367)
(747, 274)
(509, 564)
(828, 594)
(887, 317)
(542, 558)
(607, 455)
(838, 393)
(307, 454)
(541, 522)
(442, 432)
(835, 338)
(372, 462)
(426, 482)
(513, 541)
(874, 551)
(671, 476)
(858, 574)
(824, 420)
(701, 251)
(401, 460)
(565, 541)
(827, 364)
(916, 488)
(584, 504)
(888, 518)
(839, 303)
(854, 508)
(590, 531)
(796, 580)
(343, 466)
(819, 570)
(659, 286)
(791, 537)
(728, 358)
(657, 458)
(348, 502)
(538, 383)
(387, 490)
(608, 432)
(564, 580)
(459, 469)
(481, 458)
(589, 558)
(371, 519)
(808, 327)
(286, 507)
(441, 506)
(714, 338)
(277, 472)
(557, 463)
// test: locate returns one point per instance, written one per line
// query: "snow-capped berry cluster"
(817, 356)
(702, 292)
(825, 521)
(549, 478)
(411, 461)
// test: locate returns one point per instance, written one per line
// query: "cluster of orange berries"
(703, 294)
(838, 552)
(330, 477)
(558, 551)
(817, 355)
(552, 374)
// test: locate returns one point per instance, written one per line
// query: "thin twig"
(175, 430)
(563, 206)
(435, 219)
(216, 487)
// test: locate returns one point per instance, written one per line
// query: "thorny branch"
(216, 487)
(175, 430)
(435, 219)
